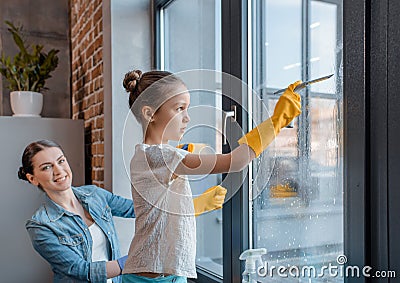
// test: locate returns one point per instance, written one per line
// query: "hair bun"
(131, 80)
(22, 174)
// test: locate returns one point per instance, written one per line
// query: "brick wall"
(87, 82)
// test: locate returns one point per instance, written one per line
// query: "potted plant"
(27, 73)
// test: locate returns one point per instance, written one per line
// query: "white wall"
(128, 31)
(19, 262)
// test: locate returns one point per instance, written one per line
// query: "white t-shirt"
(165, 226)
(100, 245)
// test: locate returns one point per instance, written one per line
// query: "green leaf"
(16, 36)
(30, 67)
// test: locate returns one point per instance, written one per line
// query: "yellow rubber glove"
(214, 197)
(211, 199)
(287, 108)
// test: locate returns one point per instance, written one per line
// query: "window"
(298, 181)
(189, 44)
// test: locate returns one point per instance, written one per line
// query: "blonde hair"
(152, 89)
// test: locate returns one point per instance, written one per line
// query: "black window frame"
(371, 40)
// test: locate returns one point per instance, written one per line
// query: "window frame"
(354, 131)
(236, 216)
(234, 42)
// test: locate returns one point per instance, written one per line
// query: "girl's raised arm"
(251, 145)
(201, 164)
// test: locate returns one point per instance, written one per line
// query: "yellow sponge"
(193, 147)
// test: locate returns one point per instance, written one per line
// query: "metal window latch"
(227, 114)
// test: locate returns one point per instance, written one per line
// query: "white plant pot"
(26, 103)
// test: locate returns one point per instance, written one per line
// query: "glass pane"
(298, 181)
(192, 32)
(324, 44)
(282, 42)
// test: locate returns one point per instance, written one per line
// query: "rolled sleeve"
(62, 259)
(98, 273)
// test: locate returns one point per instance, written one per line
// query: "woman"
(74, 229)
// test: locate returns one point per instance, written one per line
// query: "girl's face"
(51, 170)
(171, 119)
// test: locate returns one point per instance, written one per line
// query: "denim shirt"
(64, 240)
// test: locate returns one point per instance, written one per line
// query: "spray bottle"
(251, 256)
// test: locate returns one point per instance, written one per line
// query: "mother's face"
(51, 170)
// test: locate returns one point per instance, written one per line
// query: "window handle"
(226, 115)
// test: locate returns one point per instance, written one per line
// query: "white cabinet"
(19, 262)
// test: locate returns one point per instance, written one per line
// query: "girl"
(164, 245)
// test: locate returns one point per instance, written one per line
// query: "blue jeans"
(132, 278)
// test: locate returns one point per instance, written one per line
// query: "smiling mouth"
(61, 179)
